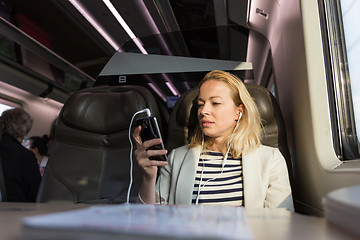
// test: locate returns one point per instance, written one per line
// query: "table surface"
(264, 223)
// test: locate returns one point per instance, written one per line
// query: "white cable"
(222, 166)
(211, 179)
(131, 150)
(202, 171)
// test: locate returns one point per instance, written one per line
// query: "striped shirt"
(218, 186)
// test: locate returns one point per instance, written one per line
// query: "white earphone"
(148, 113)
(240, 115)
(201, 185)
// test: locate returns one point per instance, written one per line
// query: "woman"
(39, 148)
(21, 171)
(225, 162)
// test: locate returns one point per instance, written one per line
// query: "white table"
(264, 223)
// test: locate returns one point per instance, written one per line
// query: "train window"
(342, 54)
(5, 105)
(351, 19)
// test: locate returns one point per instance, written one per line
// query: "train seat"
(90, 157)
(183, 119)
(3, 197)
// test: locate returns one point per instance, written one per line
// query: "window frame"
(346, 143)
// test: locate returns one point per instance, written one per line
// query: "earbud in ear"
(240, 115)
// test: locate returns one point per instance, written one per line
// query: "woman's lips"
(207, 123)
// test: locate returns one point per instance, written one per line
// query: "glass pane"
(351, 19)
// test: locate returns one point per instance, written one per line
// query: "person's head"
(16, 122)
(223, 103)
(38, 145)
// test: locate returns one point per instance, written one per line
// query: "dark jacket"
(21, 170)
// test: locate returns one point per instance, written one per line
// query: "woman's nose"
(205, 109)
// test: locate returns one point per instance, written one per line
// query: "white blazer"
(265, 178)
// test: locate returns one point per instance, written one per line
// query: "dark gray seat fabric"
(273, 134)
(182, 120)
(3, 197)
(90, 157)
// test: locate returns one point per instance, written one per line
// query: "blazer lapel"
(251, 179)
(186, 178)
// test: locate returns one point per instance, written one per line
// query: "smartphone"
(150, 130)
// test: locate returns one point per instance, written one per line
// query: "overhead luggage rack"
(35, 68)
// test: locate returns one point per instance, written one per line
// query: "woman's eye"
(216, 103)
(200, 104)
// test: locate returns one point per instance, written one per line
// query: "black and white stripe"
(218, 186)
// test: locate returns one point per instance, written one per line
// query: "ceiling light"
(94, 23)
(125, 26)
(170, 85)
(158, 91)
(137, 41)
(153, 25)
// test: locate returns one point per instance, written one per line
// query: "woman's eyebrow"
(213, 97)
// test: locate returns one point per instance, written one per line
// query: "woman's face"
(217, 113)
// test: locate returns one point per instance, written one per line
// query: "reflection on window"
(351, 19)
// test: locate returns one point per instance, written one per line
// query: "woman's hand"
(150, 167)
(142, 155)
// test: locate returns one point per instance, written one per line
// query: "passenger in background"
(51, 137)
(225, 162)
(21, 171)
(38, 145)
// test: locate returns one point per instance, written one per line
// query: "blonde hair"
(247, 135)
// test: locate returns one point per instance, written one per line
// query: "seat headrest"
(183, 118)
(263, 102)
(100, 116)
(185, 107)
(100, 112)
(260, 95)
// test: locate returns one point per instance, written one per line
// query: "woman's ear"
(240, 112)
(240, 115)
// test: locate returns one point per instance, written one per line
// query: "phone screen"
(150, 130)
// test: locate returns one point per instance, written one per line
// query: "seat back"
(3, 197)
(273, 133)
(90, 157)
(182, 120)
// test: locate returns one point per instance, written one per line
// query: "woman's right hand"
(142, 154)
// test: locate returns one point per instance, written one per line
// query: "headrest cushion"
(184, 110)
(104, 108)
(263, 103)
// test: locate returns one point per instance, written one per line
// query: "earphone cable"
(131, 152)
(222, 165)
